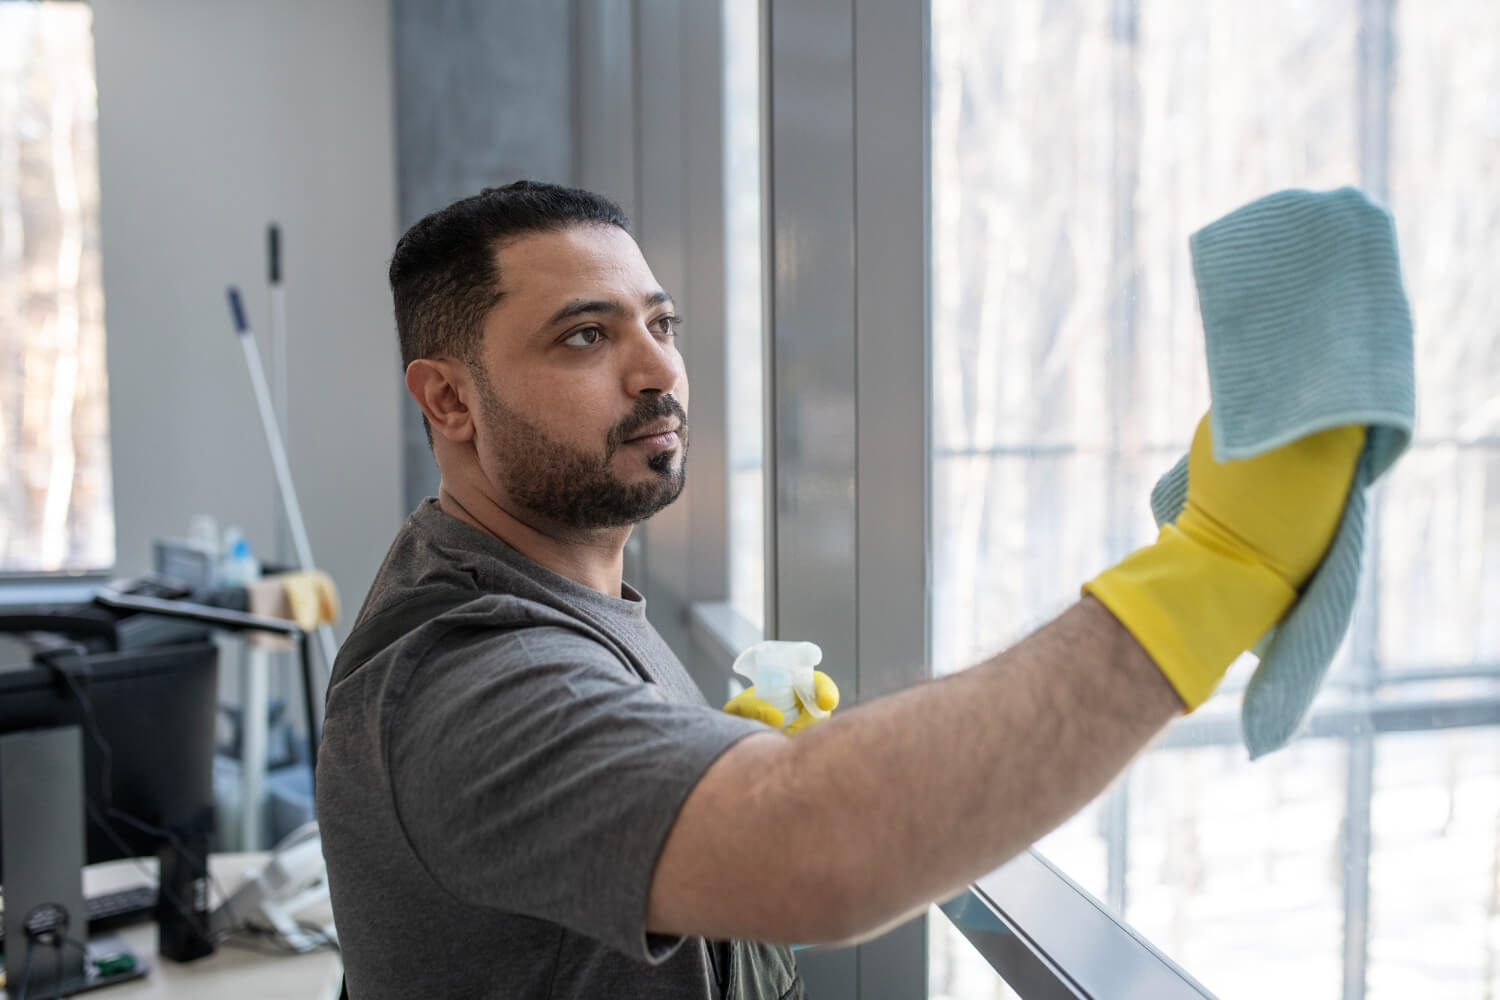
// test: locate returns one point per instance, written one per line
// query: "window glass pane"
(1435, 866)
(56, 506)
(1075, 146)
(745, 338)
(1221, 852)
(1440, 515)
(956, 970)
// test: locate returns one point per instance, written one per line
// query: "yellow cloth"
(748, 706)
(311, 597)
(1250, 534)
(308, 598)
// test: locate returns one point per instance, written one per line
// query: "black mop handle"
(273, 253)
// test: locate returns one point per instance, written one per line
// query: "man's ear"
(440, 387)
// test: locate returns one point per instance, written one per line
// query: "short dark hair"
(444, 275)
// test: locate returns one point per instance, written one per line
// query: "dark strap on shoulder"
(374, 634)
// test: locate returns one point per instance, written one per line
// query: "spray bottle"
(780, 672)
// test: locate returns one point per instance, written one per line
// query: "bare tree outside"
(1075, 146)
(56, 507)
(744, 330)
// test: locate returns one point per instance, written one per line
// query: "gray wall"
(483, 96)
(214, 119)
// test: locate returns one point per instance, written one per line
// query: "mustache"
(648, 409)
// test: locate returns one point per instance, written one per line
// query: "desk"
(230, 973)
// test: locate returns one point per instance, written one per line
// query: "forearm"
(904, 800)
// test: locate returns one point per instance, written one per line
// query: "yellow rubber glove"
(747, 706)
(1250, 534)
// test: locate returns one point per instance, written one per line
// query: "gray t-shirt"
(495, 786)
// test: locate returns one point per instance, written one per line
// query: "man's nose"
(653, 364)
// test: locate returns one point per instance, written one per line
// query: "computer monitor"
(154, 707)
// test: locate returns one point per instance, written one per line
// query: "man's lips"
(662, 433)
(668, 439)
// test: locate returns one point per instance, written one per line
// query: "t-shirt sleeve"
(534, 773)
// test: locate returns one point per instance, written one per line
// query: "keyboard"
(120, 908)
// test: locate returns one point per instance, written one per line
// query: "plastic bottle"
(203, 534)
(780, 671)
(238, 568)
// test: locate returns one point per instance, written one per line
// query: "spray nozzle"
(780, 672)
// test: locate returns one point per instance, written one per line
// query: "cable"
(265, 941)
(59, 978)
(58, 973)
(45, 924)
(238, 923)
(268, 941)
(325, 942)
(106, 766)
(199, 862)
(25, 974)
(161, 887)
(309, 705)
(91, 723)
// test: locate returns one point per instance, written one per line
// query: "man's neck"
(595, 560)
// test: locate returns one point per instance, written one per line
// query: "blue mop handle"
(237, 311)
(278, 456)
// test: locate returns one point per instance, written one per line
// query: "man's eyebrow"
(609, 307)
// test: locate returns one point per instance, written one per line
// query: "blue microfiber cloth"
(1307, 328)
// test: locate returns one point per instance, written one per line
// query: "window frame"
(87, 285)
(846, 161)
(1049, 938)
(642, 110)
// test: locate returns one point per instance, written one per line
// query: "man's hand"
(1251, 533)
(748, 706)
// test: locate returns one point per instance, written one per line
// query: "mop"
(327, 643)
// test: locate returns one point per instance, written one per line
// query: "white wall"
(214, 119)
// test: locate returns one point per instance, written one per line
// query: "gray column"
(849, 374)
(484, 96)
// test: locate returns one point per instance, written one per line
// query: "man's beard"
(575, 488)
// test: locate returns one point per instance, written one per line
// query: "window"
(56, 509)
(1075, 146)
(744, 336)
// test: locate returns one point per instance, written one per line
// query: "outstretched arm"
(899, 802)
(893, 804)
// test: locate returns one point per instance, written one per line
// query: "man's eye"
(668, 326)
(587, 337)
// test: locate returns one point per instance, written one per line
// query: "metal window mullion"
(1375, 53)
(704, 346)
(605, 133)
(604, 103)
(769, 618)
(663, 229)
(892, 242)
(811, 387)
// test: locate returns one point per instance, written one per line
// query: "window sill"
(721, 633)
(1047, 939)
(50, 588)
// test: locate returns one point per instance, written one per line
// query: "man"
(521, 792)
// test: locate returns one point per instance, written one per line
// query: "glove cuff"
(1192, 607)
